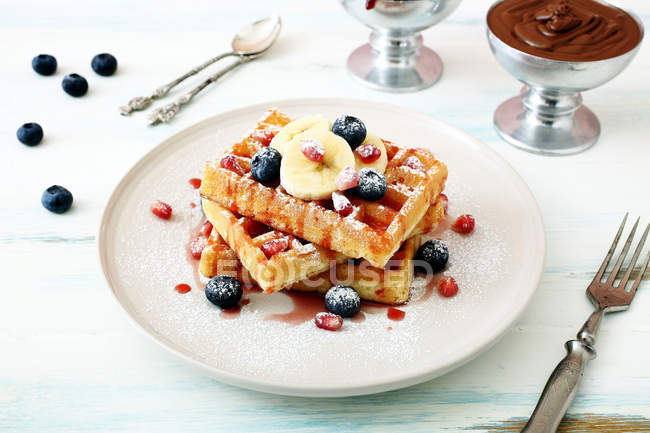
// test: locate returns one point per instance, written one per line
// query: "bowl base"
(564, 135)
(421, 71)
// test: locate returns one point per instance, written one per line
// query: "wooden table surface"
(69, 361)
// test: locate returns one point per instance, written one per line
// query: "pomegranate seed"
(329, 321)
(395, 314)
(206, 229)
(464, 224)
(341, 204)
(230, 162)
(263, 136)
(312, 149)
(445, 201)
(368, 153)
(448, 287)
(161, 209)
(195, 182)
(414, 163)
(182, 288)
(347, 178)
(197, 245)
(274, 246)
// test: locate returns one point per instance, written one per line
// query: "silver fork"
(561, 388)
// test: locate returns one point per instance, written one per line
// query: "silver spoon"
(248, 43)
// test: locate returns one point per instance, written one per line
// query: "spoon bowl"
(256, 38)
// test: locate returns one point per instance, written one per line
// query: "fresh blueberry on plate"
(265, 165)
(342, 300)
(351, 129)
(30, 134)
(435, 253)
(224, 291)
(104, 64)
(371, 185)
(56, 199)
(44, 64)
(75, 85)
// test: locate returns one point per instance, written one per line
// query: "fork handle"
(561, 388)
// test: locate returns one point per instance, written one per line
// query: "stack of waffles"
(370, 249)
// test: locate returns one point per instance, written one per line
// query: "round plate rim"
(415, 377)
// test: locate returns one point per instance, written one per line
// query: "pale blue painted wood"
(70, 362)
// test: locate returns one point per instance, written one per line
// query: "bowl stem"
(395, 63)
(548, 122)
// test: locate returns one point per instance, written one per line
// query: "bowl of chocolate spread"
(547, 41)
(558, 48)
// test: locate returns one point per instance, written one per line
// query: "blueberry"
(342, 300)
(372, 184)
(44, 64)
(56, 199)
(265, 165)
(75, 85)
(351, 129)
(435, 253)
(104, 64)
(224, 291)
(30, 134)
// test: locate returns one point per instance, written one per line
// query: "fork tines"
(621, 258)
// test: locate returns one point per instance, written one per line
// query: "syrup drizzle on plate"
(305, 308)
(307, 305)
(195, 182)
(194, 232)
(182, 288)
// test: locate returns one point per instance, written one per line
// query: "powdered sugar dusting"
(148, 257)
(347, 178)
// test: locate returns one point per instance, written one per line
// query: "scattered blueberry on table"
(372, 184)
(351, 129)
(30, 134)
(224, 291)
(75, 85)
(44, 64)
(56, 199)
(104, 64)
(342, 300)
(435, 253)
(265, 165)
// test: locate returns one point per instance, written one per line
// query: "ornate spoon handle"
(166, 113)
(141, 102)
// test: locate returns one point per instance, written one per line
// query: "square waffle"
(303, 260)
(374, 231)
(387, 286)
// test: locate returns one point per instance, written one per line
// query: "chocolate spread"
(569, 30)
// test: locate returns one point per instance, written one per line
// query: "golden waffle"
(387, 286)
(300, 261)
(374, 231)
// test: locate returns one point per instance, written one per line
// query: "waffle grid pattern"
(374, 231)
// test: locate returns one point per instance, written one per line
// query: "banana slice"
(309, 180)
(296, 127)
(381, 163)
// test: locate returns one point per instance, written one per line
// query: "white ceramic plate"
(497, 267)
